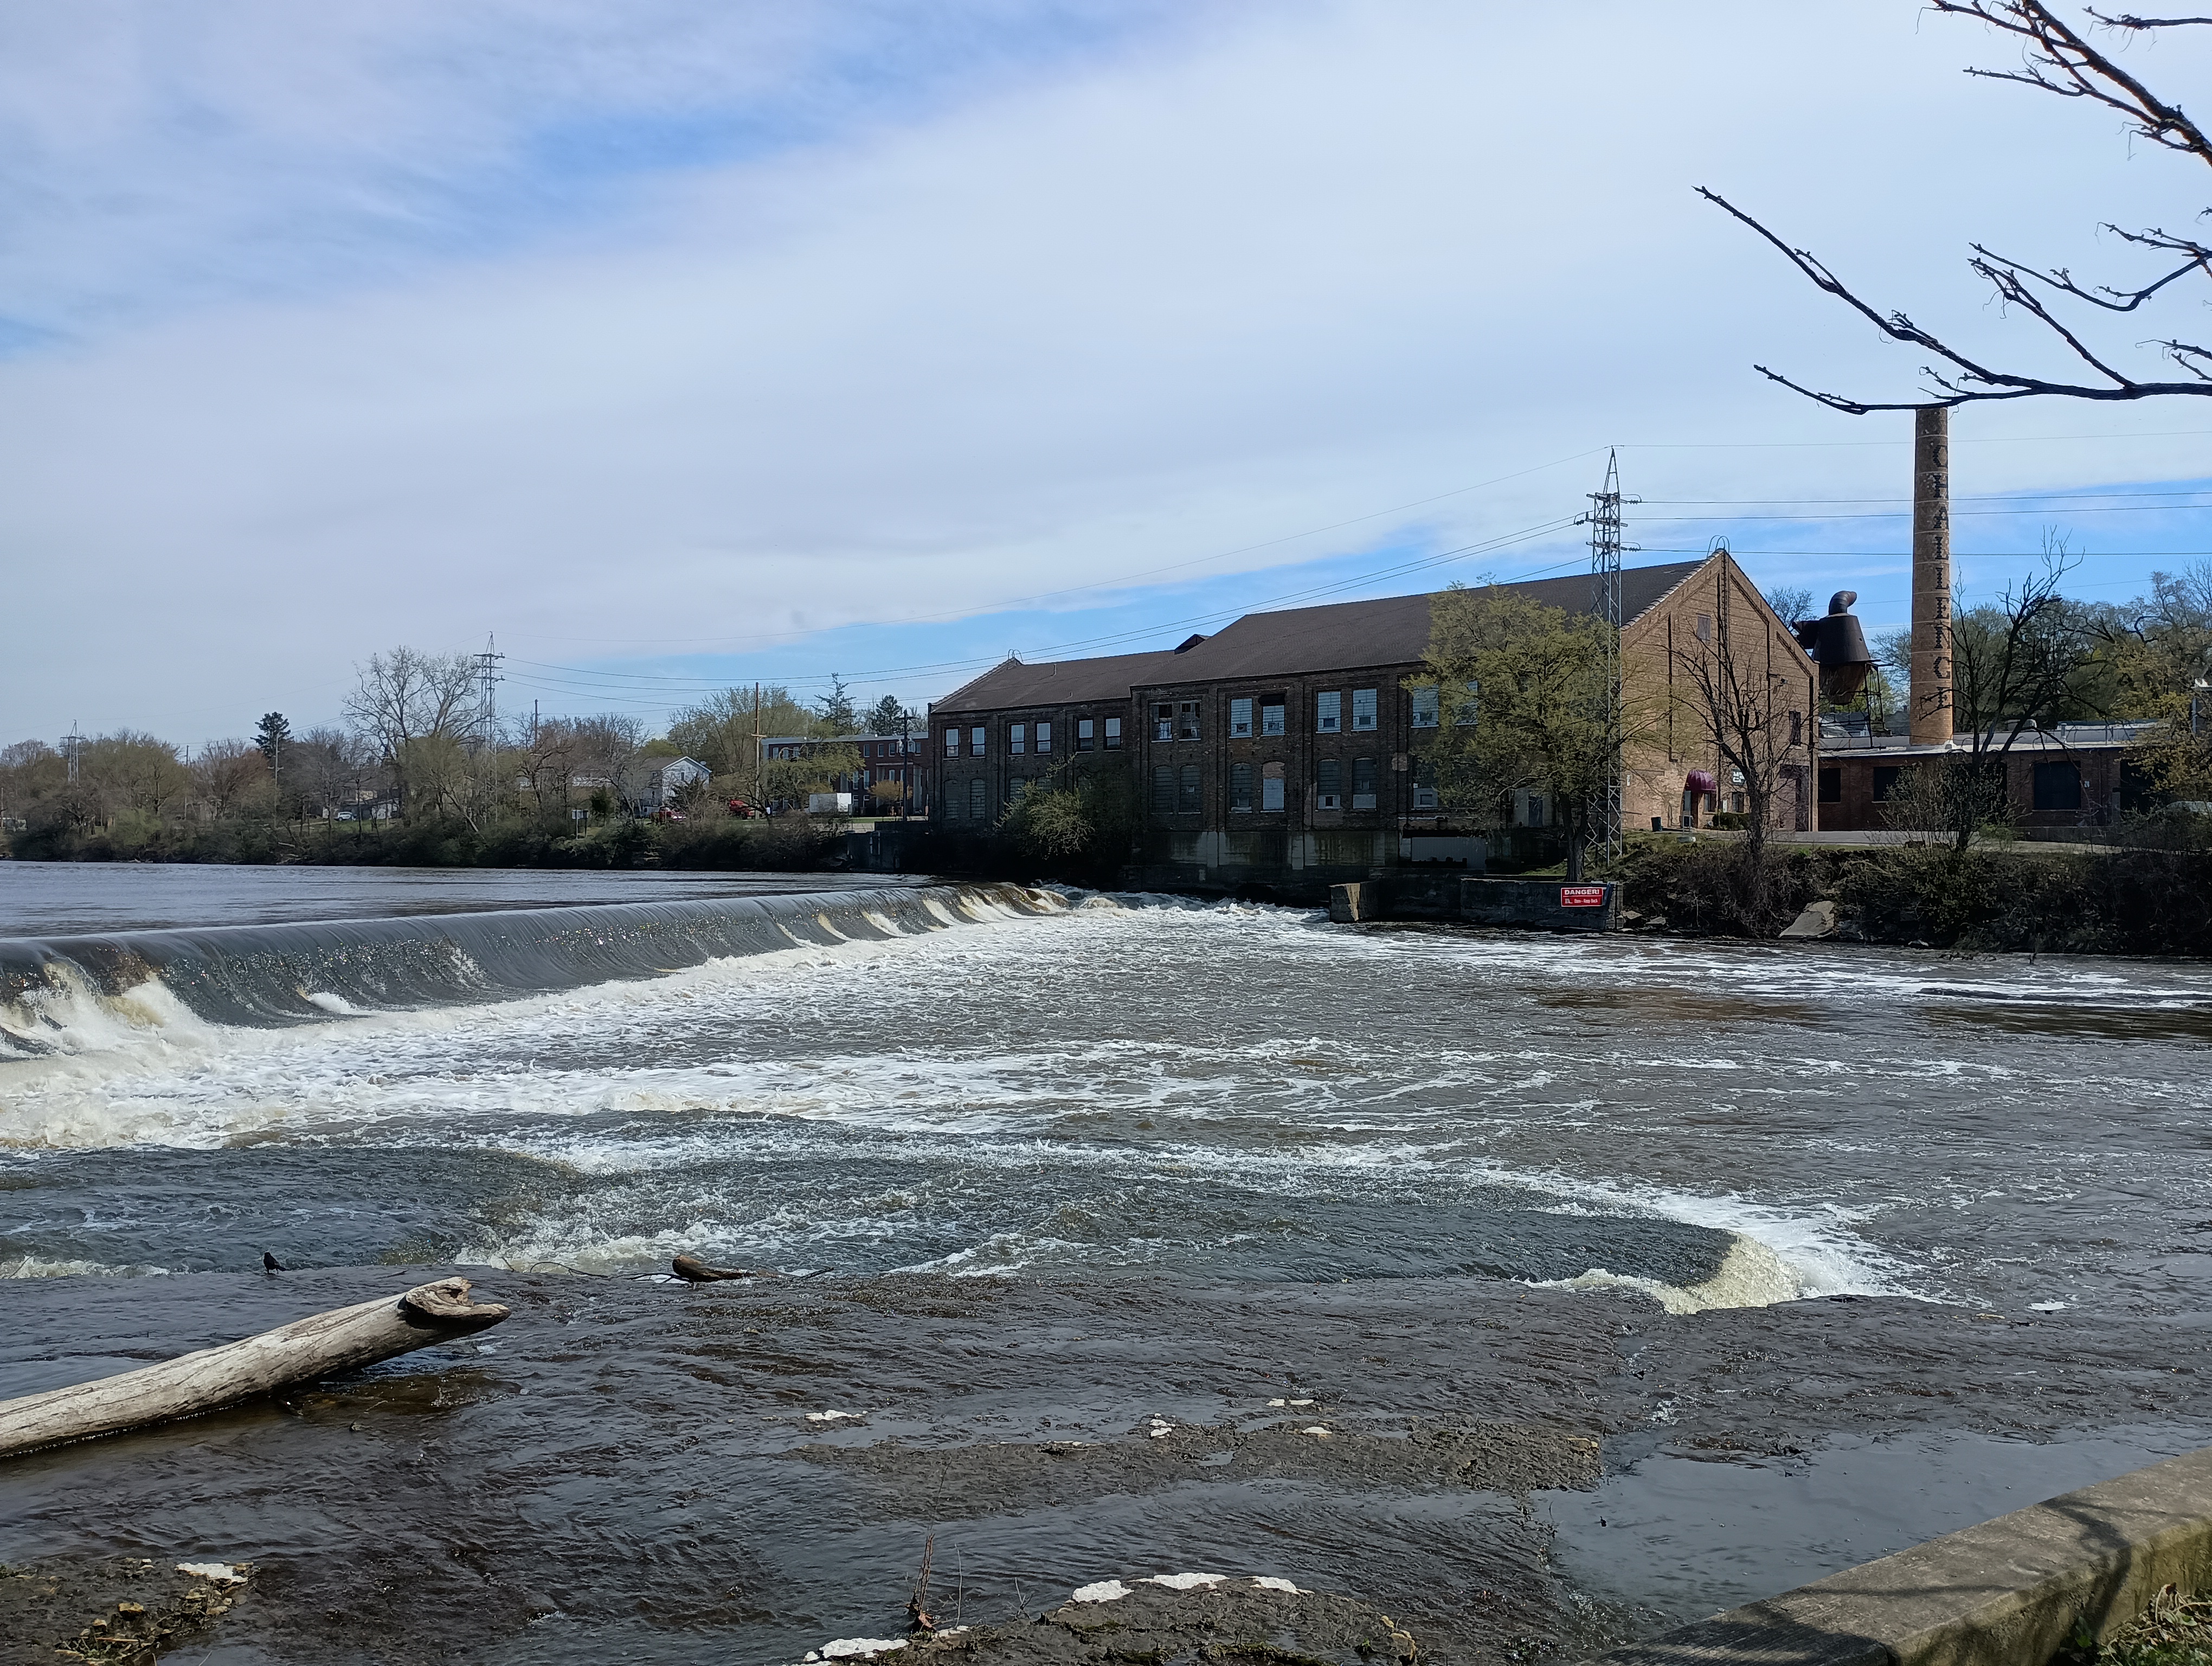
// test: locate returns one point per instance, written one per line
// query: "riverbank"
(643, 1472)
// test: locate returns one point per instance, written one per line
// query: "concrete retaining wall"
(2007, 1593)
(1537, 903)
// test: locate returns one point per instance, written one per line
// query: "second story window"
(1187, 719)
(975, 740)
(952, 743)
(1113, 734)
(1271, 717)
(1240, 787)
(1018, 738)
(1328, 783)
(1467, 706)
(1044, 737)
(1164, 719)
(1086, 734)
(1427, 704)
(1240, 721)
(1362, 709)
(1328, 712)
(1363, 783)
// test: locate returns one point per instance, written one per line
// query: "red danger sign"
(1582, 897)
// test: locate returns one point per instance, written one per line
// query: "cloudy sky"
(679, 345)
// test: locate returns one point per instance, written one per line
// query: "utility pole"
(760, 764)
(487, 725)
(1603, 518)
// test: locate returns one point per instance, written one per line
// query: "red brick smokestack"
(1931, 720)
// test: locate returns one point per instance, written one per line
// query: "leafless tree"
(226, 774)
(2060, 58)
(1753, 712)
(406, 696)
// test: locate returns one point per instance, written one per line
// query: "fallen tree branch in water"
(298, 1352)
(692, 1270)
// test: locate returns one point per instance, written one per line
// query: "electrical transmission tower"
(72, 748)
(486, 735)
(1603, 519)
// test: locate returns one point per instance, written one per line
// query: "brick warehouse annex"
(1282, 751)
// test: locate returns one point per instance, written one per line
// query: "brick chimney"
(1931, 720)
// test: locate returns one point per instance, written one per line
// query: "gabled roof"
(1011, 684)
(1392, 630)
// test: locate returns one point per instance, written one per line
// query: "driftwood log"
(298, 1352)
(692, 1270)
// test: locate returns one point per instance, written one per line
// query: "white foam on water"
(1750, 1275)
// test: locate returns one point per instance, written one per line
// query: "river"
(961, 1086)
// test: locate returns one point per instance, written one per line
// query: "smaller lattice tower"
(1603, 518)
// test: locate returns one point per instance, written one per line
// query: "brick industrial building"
(1285, 748)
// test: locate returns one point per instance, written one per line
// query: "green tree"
(271, 737)
(722, 732)
(888, 717)
(1527, 705)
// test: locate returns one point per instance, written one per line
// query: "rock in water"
(1819, 919)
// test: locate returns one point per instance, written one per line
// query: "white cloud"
(1177, 295)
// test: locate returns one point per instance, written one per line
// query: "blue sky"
(677, 346)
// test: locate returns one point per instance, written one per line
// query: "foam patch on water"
(1750, 1275)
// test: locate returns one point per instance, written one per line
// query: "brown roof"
(1390, 630)
(1011, 684)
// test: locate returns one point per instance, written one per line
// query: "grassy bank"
(2020, 897)
(784, 844)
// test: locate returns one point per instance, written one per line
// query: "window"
(975, 740)
(1163, 720)
(1704, 627)
(1271, 717)
(2058, 787)
(1163, 789)
(1362, 709)
(1535, 809)
(1832, 785)
(1467, 706)
(1328, 712)
(1885, 781)
(1018, 738)
(1187, 794)
(1362, 778)
(1113, 734)
(1240, 785)
(1328, 780)
(1424, 783)
(1044, 737)
(1426, 704)
(1086, 734)
(1796, 728)
(1240, 722)
(1270, 786)
(979, 797)
(1187, 720)
(952, 743)
(952, 801)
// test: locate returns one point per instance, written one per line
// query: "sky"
(669, 347)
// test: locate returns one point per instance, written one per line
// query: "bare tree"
(226, 774)
(1752, 713)
(2060, 58)
(406, 697)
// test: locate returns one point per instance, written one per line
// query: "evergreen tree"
(272, 737)
(835, 709)
(887, 716)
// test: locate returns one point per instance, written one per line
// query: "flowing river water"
(1109, 1120)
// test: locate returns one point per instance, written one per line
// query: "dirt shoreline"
(636, 1471)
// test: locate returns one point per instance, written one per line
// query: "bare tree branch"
(2061, 60)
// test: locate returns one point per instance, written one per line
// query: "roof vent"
(1188, 643)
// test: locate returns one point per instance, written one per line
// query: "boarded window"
(1363, 783)
(1086, 734)
(979, 797)
(1163, 787)
(1884, 780)
(952, 743)
(1427, 704)
(1113, 734)
(1270, 786)
(1832, 785)
(1186, 791)
(1240, 785)
(1328, 781)
(975, 740)
(1164, 719)
(1704, 627)
(1328, 712)
(1271, 717)
(1018, 738)
(952, 797)
(1240, 721)
(1362, 709)
(2058, 785)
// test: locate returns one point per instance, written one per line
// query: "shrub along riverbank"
(782, 844)
(2050, 899)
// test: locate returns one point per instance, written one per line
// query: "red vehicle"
(740, 809)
